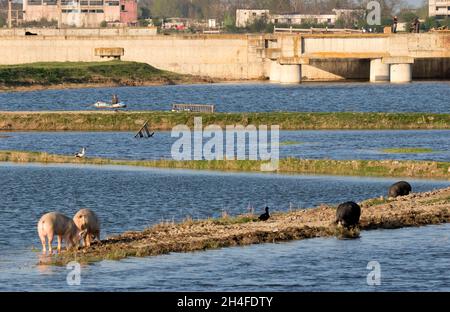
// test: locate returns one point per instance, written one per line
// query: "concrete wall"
(344, 44)
(231, 57)
(346, 56)
(227, 57)
(50, 33)
(426, 68)
(414, 45)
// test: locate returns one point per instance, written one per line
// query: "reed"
(408, 150)
(166, 120)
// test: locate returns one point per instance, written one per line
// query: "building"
(212, 23)
(439, 8)
(82, 13)
(246, 17)
(128, 12)
(296, 19)
(402, 26)
(349, 14)
(178, 23)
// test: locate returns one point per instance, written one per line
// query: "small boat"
(101, 104)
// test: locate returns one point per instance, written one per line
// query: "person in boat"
(115, 99)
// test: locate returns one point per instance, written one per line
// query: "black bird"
(265, 216)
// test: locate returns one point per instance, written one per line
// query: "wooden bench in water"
(196, 108)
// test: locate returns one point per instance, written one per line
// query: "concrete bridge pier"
(275, 71)
(401, 73)
(379, 72)
(290, 73)
(400, 68)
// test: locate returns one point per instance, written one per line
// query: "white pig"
(88, 224)
(55, 223)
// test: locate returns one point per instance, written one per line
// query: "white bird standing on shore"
(81, 153)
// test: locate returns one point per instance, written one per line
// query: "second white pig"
(88, 224)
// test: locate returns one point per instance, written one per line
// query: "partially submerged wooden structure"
(144, 132)
(196, 108)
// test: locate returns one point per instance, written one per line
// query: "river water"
(304, 144)
(132, 199)
(248, 97)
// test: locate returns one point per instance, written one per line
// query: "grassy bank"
(413, 210)
(165, 120)
(373, 168)
(112, 73)
(408, 150)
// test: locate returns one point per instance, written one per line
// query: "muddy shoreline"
(194, 80)
(65, 75)
(417, 209)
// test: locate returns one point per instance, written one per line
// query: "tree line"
(204, 9)
(225, 11)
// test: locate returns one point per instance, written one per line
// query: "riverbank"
(166, 120)
(63, 75)
(412, 210)
(370, 168)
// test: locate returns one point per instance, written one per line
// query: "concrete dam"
(283, 58)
